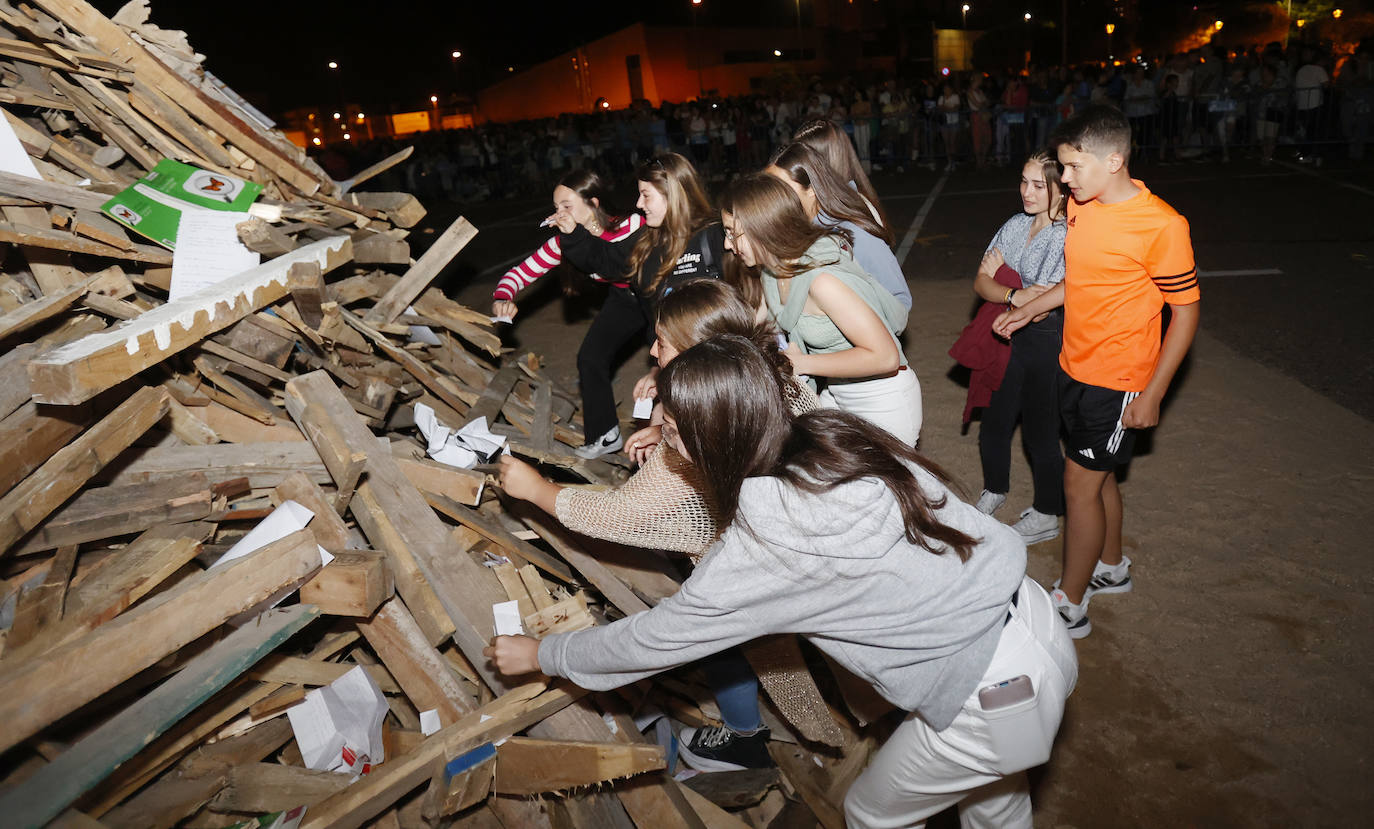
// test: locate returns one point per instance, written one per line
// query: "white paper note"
(503, 318)
(429, 721)
(13, 157)
(465, 448)
(507, 615)
(644, 408)
(422, 333)
(208, 250)
(287, 518)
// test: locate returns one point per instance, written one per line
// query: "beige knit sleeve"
(660, 507)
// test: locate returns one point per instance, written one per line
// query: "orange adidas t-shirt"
(1122, 262)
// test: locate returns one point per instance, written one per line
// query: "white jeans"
(893, 403)
(920, 772)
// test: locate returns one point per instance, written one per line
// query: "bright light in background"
(1336, 13)
(1217, 25)
(777, 53)
(348, 136)
(1111, 27)
(1027, 16)
(965, 9)
(944, 70)
(361, 117)
(333, 65)
(434, 99)
(316, 141)
(337, 116)
(510, 68)
(605, 104)
(456, 54)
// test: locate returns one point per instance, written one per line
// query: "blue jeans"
(736, 689)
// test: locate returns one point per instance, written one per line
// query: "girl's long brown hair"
(770, 214)
(704, 308)
(1054, 183)
(688, 212)
(835, 198)
(728, 400)
(827, 138)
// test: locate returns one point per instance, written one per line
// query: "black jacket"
(700, 259)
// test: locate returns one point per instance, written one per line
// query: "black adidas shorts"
(1092, 419)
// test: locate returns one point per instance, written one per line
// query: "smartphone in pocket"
(1006, 693)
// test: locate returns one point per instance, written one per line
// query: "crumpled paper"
(338, 727)
(466, 447)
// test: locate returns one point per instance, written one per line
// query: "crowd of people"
(779, 449)
(1197, 105)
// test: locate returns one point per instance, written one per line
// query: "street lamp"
(1336, 13)
(1025, 36)
(964, 12)
(1217, 25)
(1111, 27)
(455, 54)
(777, 53)
(333, 65)
(1027, 17)
(696, 4)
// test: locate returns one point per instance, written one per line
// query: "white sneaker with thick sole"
(1108, 578)
(989, 502)
(1075, 616)
(1036, 526)
(604, 445)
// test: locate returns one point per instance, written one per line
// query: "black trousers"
(619, 320)
(1028, 391)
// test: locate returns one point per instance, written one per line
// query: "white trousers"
(979, 761)
(894, 403)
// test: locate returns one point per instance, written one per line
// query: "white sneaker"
(1108, 578)
(1075, 616)
(604, 445)
(990, 502)
(1036, 526)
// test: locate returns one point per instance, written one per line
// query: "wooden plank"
(461, 485)
(355, 583)
(14, 380)
(90, 760)
(52, 270)
(560, 617)
(329, 529)
(712, 815)
(530, 766)
(111, 39)
(265, 465)
(616, 591)
(514, 711)
(306, 284)
(66, 471)
(77, 371)
(43, 689)
(425, 269)
(494, 532)
(494, 395)
(322, 413)
(295, 670)
(118, 581)
(32, 434)
(539, 592)
(541, 438)
(42, 237)
(41, 608)
(248, 401)
(189, 428)
(419, 669)
(50, 192)
(401, 209)
(236, 356)
(273, 787)
(112, 511)
(31, 313)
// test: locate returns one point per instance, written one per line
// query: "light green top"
(816, 333)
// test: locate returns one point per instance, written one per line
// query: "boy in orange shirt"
(1126, 254)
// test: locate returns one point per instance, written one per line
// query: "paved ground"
(1231, 688)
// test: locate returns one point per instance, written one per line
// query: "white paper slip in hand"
(507, 320)
(507, 616)
(644, 408)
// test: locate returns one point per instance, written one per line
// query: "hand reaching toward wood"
(513, 655)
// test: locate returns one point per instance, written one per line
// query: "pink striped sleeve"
(524, 275)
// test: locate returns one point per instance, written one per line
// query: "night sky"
(274, 52)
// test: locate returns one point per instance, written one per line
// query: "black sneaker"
(717, 748)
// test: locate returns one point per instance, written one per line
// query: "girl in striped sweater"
(579, 197)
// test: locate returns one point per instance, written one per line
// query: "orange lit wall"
(571, 82)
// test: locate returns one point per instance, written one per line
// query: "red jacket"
(983, 351)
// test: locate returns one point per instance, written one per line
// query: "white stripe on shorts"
(1114, 442)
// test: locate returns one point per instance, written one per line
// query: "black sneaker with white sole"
(604, 445)
(717, 748)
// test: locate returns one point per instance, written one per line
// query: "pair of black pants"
(619, 319)
(1029, 391)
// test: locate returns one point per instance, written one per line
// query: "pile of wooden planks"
(141, 439)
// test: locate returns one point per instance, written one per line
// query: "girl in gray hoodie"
(843, 534)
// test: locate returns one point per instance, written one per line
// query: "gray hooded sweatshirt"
(836, 568)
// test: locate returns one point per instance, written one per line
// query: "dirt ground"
(1229, 688)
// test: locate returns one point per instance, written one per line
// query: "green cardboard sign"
(152, 206)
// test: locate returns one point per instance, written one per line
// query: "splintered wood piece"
(388, 519)
(515, 589)
(32, 434)
(41, 608)
(306, 284)
(329, 529)
(31, 313)
(401, 209)
(245, 399)
(235, 356)
(426, 268)
(461, 485)
(112, 511)
(494, 532)
(191, 429)
(262, 237)
(539, 592)
(527, 766)
(50, 192)
(373, 248)
(65, 472)
(355, 583)
(560, 617)
(115, 583)
(274, 787)
(14, 381)
(460, 783)
(712, 815)
(417, 666)
(616, 591)
(462, 321)
(44, 688)
(265, 465)
(90, 760)
(514, 711)
(78, 370)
